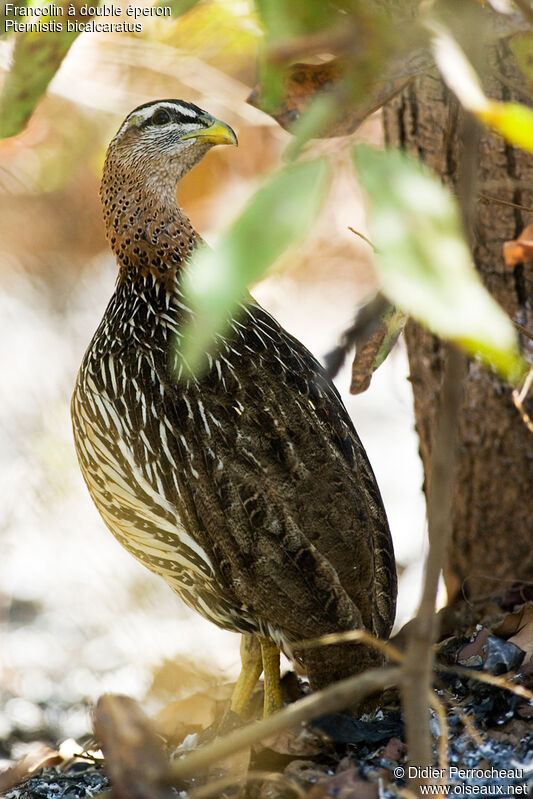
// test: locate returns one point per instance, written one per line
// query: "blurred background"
(78, 616)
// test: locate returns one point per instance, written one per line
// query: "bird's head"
(162, 140)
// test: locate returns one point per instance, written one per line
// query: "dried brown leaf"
(181, 678)
(134, 758)
(394, 750)
(471, 654)
(519, 250)
(300, 742)
(305, 81)
(179, 719)
(347, 784)
(523, 638)
(371, 354)
(39, 756)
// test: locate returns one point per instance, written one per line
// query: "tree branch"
(330, 700)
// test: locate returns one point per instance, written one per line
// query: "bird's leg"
(251, 668)
(272, 687)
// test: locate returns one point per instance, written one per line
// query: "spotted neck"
(147, 231)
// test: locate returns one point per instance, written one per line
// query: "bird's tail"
(329, 664)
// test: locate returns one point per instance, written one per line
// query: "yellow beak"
(216, 133)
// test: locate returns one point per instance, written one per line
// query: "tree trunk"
(492, 526)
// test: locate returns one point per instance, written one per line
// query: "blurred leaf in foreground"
(288, 23)
(278, 215)
(7, 13)
(37, 57)
(511, 120)
(424, 265)
(316, 98)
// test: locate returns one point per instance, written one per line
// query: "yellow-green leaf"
(423, 262)
(513, 121)
(278, 215)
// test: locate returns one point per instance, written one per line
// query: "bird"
(246, 486)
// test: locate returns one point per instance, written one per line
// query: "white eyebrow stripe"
(185, 110)
(143, 114)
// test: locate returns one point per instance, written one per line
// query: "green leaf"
(394, 322)
(37, 57)
(423, 262)
(289, 23)
(278, 215)
(320, 113)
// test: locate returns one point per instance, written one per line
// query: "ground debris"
(79, 781)
(38, 757)
(490, 741)
(342, 729)
(134, 758)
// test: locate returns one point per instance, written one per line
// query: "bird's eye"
(161, 117)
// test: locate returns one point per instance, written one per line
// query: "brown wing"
(279, 491)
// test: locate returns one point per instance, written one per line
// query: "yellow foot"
(252, 666)
(257, 655)
(273, 700)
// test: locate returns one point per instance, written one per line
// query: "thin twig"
(468, 724)
(362, 236)
(420, 653)
(525, 332)
(351, 636)
(499, 201)
(217, 786)
(393, 653)
(492, 679)
(330, 700)
(418, 667)
(405, 793)
(519, 397)
(440, 712)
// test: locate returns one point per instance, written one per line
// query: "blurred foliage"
(324, 66)
(357, 32)
(51, 163)
(513, 121)
(423, 263)
(37, 57)
(220, 32)
(279, 215)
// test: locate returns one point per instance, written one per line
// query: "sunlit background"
(78, 616)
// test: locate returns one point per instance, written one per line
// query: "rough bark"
(492, 525)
